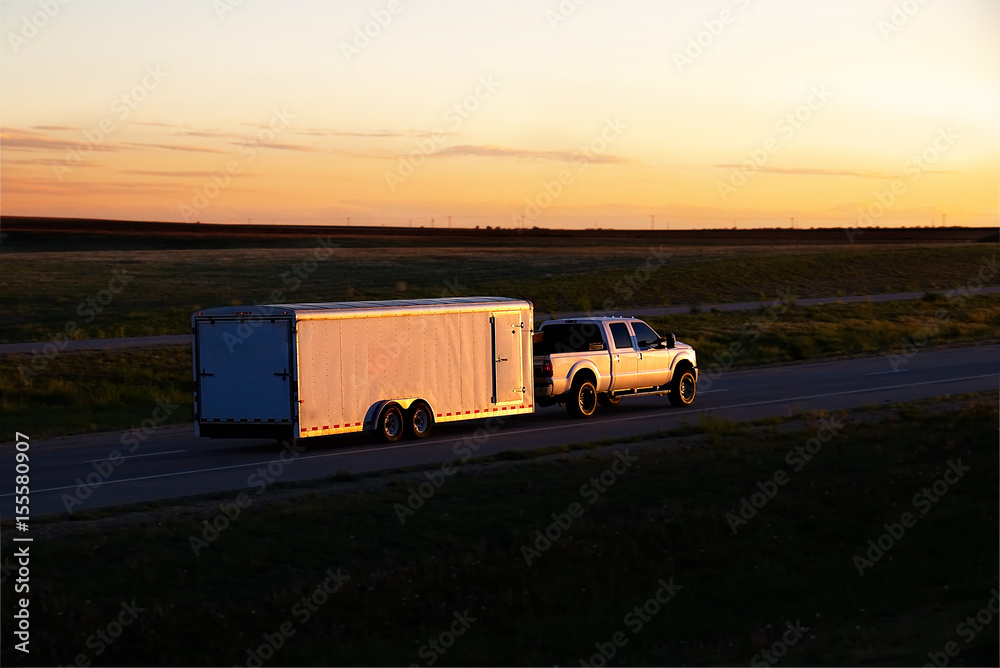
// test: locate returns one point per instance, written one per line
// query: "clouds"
(489, 151)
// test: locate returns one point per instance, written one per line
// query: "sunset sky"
(577, 113)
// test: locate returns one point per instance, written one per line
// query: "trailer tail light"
(547, 369)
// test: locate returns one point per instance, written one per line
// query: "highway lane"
(171, 463)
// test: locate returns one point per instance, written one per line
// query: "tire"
(582, 399)
(683, 387)
(608, 400)
(390, 424)
(419, 421)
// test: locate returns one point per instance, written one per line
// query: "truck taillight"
(547, 369)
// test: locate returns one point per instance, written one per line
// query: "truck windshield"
(569, 338)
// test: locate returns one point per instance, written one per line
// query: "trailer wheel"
(419, 421)
(582, 402)
(683, 387)
(390, 424)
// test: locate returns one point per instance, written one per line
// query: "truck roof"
(318, 309)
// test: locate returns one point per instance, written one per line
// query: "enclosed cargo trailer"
(393, 367)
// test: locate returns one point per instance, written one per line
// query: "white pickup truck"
(583, 362)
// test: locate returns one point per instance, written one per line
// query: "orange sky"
(571, 114)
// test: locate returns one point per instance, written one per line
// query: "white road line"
(879, 373)
(148, 454)
(513, 433)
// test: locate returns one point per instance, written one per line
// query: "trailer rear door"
(508, 376)
(244, 369)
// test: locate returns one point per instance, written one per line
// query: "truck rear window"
(569, 338)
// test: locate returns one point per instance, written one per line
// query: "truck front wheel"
(683, 387)
(582, 402)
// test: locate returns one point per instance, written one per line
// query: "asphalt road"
(172, 463)
(185, 339)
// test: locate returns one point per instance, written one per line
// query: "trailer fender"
(371, 417)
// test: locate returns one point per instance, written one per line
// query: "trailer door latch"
(283, 375)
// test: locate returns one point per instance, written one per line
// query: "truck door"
(244, 370)
(508, 378)
(654, 363)
(624, 358)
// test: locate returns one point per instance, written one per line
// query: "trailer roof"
(440, 304)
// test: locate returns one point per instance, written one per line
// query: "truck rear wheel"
(582, 402)
(683, 387)
(419, 421)
(390, 424)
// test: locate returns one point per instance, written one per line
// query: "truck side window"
(619, 332)
(644, 335)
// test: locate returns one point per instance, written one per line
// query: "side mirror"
(670, 340)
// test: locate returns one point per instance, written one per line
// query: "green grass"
(46, 291)
(831, 330)
(98, 391)
(84, 391)
(663, 518)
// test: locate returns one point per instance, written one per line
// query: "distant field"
(660, 527)
(97, 294)
(99, 391)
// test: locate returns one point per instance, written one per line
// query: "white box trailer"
(392, 367)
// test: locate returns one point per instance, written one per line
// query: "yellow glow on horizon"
(484, 110)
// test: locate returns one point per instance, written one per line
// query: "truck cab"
(584, 362)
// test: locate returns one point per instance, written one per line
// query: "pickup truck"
(583, 362)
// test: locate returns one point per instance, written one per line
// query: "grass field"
(661, 526)
(98, 391)
(89, 294)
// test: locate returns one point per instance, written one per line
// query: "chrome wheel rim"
(392, 424)
(687, 388)
(420, 421)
